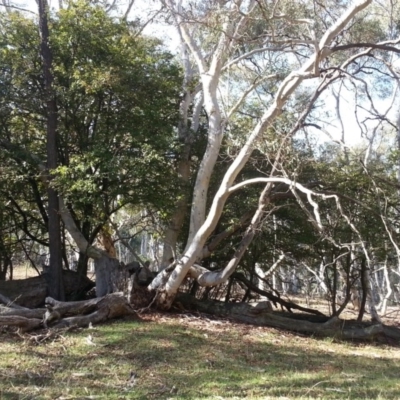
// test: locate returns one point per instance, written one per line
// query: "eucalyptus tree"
(285, 54)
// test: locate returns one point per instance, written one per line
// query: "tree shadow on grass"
(176, 361)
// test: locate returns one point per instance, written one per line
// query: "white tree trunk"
(186, 137)
(200, 231)
(389, 290)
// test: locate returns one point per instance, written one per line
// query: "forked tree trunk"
(186, 132)
(111, 276)
(202, 224)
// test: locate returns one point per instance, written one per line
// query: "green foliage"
(117, 98)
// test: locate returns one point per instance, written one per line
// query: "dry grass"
(24, 271)
(178, 356)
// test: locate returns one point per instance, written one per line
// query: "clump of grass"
(174, 356)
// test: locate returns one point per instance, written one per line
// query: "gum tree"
(279, 49)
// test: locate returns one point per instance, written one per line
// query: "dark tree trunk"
(228, 290)
(82, 265)
(364, 288)
(5, 261)
(5, 265)
(56, 289)
(111, 276)
(32, 292)
(334, 288)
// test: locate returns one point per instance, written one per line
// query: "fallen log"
(22, 312)
(59, 314)
(31, 292)
(263, 316)
(25, 324)
(275, 299)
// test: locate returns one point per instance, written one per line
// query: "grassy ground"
(176, 356)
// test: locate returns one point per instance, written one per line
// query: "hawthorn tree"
(56, 288)
(116, 93)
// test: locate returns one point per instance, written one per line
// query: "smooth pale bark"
(232, 27)
(217, 239)
(201, 231)
(389, 290)
(110, 276)
(209, 71)
(185, 136)
(212, 278)
(76, 234)
(215, 134)
(318, 277)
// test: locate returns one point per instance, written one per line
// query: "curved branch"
(377, 46)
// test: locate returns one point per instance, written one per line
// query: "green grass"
(177, 357)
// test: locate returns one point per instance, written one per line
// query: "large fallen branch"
(275, 299)
(67, 314)
(25, 324)
(83, 313)
(263, 315)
